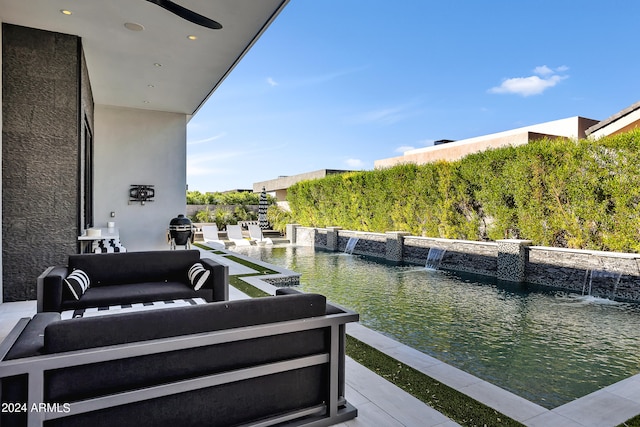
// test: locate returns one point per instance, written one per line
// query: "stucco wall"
(139, 147)
(40, 139)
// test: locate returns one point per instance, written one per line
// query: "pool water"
(547, 347)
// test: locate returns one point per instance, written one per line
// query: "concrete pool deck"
(381, 403)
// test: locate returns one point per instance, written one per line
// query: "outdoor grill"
(180, 232)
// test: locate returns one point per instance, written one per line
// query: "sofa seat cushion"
(102, 296)
(77, 334)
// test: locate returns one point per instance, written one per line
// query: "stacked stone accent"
(512, 259)
(395, 244)
(508, 260)
(369, 244)
(462, 255)
(333, 238)
(320, 238)
(283, 281)
(46, 101)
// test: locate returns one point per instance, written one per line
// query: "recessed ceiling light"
(157, 64)
(192, 37)
(150, 85)
(66, 12)
(133, 26)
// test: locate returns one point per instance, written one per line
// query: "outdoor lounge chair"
(234, 232)
(210, 236)
(255, 233)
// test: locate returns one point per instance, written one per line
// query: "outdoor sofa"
(275, 360)
(129, 278)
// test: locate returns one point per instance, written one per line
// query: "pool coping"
(609, 406)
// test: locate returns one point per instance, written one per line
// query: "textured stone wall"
(40, 145)
(321, 238)
(569, 269)
(369, 244)
(283, 281)
(460, 255)
(512, 260)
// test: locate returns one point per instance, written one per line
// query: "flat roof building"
(573, 127)
(278, 186)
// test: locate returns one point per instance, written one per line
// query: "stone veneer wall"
(567, 269)
(369, 244)
(511, 260)
(43, 100)
(460, 255)
(321, 238)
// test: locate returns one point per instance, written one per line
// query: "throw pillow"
(198, 275)
(77, 282)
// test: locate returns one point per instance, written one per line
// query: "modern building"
(96, 96)
(623, 121)
(573, 127)
(278, 186)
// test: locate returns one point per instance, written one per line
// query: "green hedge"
(556, 192)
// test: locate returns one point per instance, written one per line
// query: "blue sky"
(338, 84)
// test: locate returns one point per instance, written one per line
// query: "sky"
(338, 84)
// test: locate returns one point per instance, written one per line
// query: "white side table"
(86, 242)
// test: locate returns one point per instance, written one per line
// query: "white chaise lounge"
(234, 232)
(210, 236)
(255, 233)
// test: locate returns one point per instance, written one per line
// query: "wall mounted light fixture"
(141, 193)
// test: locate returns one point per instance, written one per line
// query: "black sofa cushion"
(132, 293)
(135, 267)
(78, 334)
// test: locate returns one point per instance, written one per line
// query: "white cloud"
(272, 82)
(543, 70)
(213, 138)
(354, 163)
(533, 85)
(386, 116)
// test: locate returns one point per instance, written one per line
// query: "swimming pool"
(547, 347)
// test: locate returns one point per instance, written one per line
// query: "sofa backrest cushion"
(135, 267)
(77, 334)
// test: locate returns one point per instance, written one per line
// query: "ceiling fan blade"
(187, 14)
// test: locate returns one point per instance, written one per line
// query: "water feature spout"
(351, 244)
(603, 281)
(434, 257)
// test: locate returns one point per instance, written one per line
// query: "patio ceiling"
(157, 68)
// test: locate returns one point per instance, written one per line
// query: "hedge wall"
(566, 193)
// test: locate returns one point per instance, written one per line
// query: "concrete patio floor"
(381, 403)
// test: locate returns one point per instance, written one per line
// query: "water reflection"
(546, 347)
